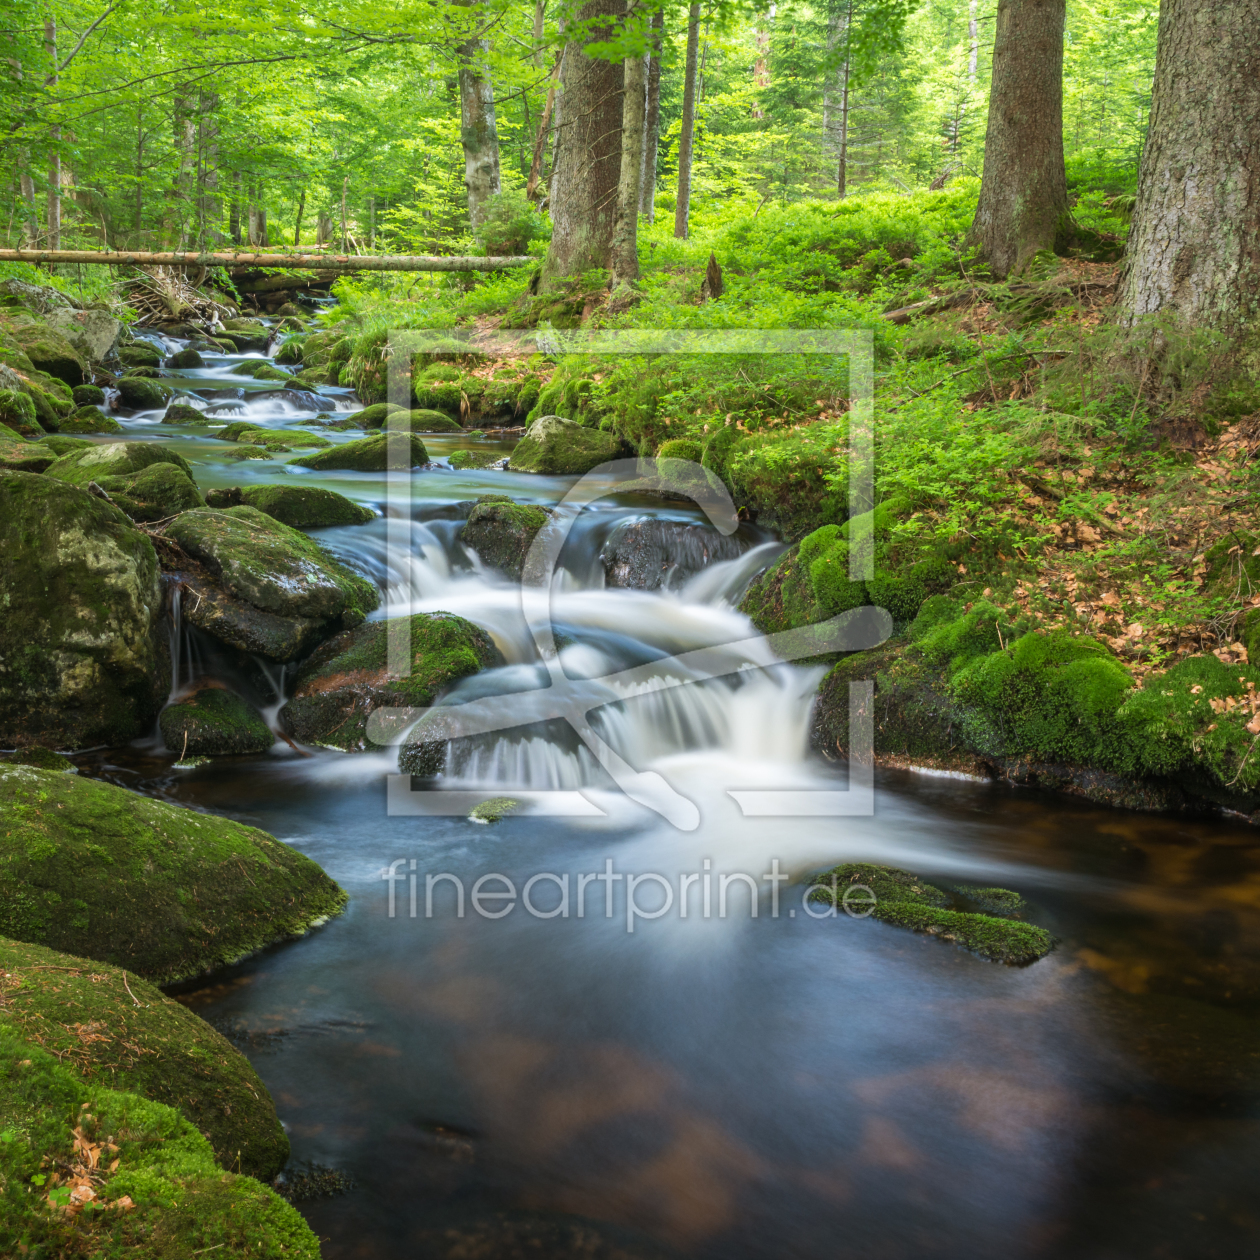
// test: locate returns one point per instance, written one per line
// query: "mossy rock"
(494, 810)
(60, 444)
(141, 394)
(235, 454)
(681, 448)
(52, 398)
(290, 352)
(261, 371)
(274, 567)
(115, 459)
(88, 396)
(155, 493)
(280, 440)
(78, 642)
(247, 342)
(214, 722)
(305, 507)
(143, 373)
(172, 1199)
(186, 359)
(140, 354)
(182, 413)
(502, 532)
(903, 900)
(429, 421)
(43, 759)
(808, 585)
(158, 1049)
(17, 412)
(19, 455)
(474, 459)
(50, 352)
(169, 893)
(372, 417)
(371, 454)
(337, 689)
(438, 395)
(89, 420)
(558, 447)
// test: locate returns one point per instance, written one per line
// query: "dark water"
(735, 1086)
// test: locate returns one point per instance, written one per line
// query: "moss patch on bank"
(902, 899)
(96, 871)
(114, 1029)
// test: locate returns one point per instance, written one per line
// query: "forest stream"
(713, 1086)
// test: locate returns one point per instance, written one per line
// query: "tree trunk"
(846, 74)
(323, 228)
(973, 38)
(1194, 248)
(1023, 194)
(54, 151)
(652, 120)
(625, 244)
(588, 159)
(686, 137)
(210, 203)
(186, 148)
(544, 128)
(297, 227)
(234, 209)
(477, 131)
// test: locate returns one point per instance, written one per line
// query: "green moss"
(681, 448)
(792, 482)
(88, 420)
(808, 585)
(184, 1204)
(559, 447)
(61, 445)
(291, 351)
(50, 352)
(261, 371)
(186, 359)
(88, 396)
(155, 493)
(372, 417)
(19, 455)
(305, 507)
(427, 421)
(903, 900)
(249, 434)
(143, 395)
(85, 1013)
(337, 689)
(44, 759)
(117, 459)
(17, 411)
(214, 722)
(370, 454)
(182, 413)
(474, 459)
(139, 354)
(501, 532)
(493, 810)
(163, 891)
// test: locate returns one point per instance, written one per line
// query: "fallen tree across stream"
(317, 262)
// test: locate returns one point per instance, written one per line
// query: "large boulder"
(17, 413)
(214, 722)
(19, 455)
(137, 1038)
(303, 507)
(501, 532)
(418, 420)
(166, 892)
(560, 447)
(79, 657)
(94, 334)
(40, 298)
(644, 555)
(271, 589)
(250, 434)
(139, 393)
(51, 352)
(140, 354)
(155, 493)
(337, 689)
(371, 454)
(188, 358)
(88, 420)
(184, 413)
(116, 459)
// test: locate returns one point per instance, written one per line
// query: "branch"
(74, 52)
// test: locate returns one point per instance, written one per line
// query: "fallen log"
(274, 284)
(317, 262)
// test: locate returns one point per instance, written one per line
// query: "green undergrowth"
(980, 920)
(155, 1190)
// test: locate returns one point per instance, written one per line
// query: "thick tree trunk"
(686, 137)
(588, 158)
(210, 204)
(1194, 248)
(625, 244)
(652, 120)
(186, 148)
(477, 130)
(973, 41)
(1023, 195)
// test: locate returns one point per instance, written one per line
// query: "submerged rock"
(155, 493)
(214, 722)
(79, 660)
(903, 900)
(337, 689)
(643, 555)
(166, 892)
(560, 447)
(250, 434)
(303, 507)
(274, 590)
(158, 1049)
(502, 531)
(370, 454)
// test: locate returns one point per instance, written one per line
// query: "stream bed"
(727, 1085)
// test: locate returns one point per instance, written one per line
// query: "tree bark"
(234, 209)
(210, 204)
(686, 137)
(625, 243)
(54, 152)
(297, 227)
(1194, 247)
(186, 147)
(544, 129)
(588, 158)
(1023, 194)
(652, 120)
(973, 41)
(477, 130)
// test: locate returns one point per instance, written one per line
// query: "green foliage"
(511, 225)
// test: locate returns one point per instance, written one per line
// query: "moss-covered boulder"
(19, 455)
(17, 412)
(982, 920)
(249, 434)
(184, 413)
(337, 689)
(214, 722)
(89, 420)
(291, 351)
(372, 417)
(474, 459)
(169, 893)
(113, 1028)
(303, 507)
(50, 352)
(414, 421)
(88, 396)
(140, 354)
(42, 758)
(61, 444)
(155, 1192)
(142, 394)
(93, 333)
(186, 359)
(81, 599)
(155, 493)
(115, 459)
(371, 454)
(502, 532)
(559, 447)
(278, 592)
(811, 583)
(260, 371)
